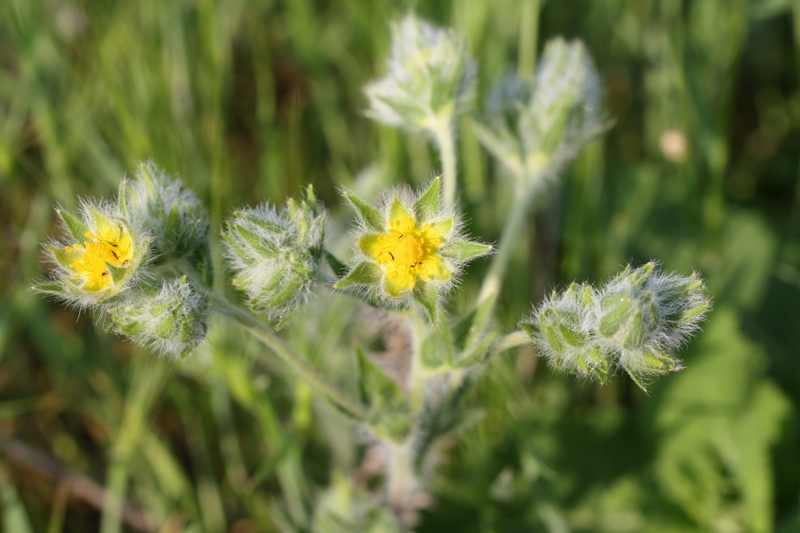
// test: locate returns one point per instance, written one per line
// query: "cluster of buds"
(535, 126)
(120, 260)
(430, 78)
(174, 214)
(636, 322)
(410, 249)
(276, 255)
(170, 320)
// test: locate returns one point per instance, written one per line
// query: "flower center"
(107, 247)
(404, 251)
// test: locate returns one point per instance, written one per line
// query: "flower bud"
(409, 249)
(172, 213)
(99, 260)
(561, 329)
(276, 255)
(636, 321)
(644, 315)
(171, 319)
(430, 77)
(535, 126)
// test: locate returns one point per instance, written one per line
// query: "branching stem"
(267, 336)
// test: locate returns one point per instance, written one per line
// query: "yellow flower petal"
(400, 218)
(434, 269)
(396, 285)
(439, 229)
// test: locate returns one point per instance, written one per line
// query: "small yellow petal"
(439, 229)
(434, 269)
(400, 216)
(395, 285)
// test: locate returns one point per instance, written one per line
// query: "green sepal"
(236, 246)
(428, 204)
(573, 338)
(612, 321)
(461, 250)
(339, 268)
(166, 326)
(267, 225)
(636, 332)
(118, 274)
(63, 257)
(370, 215)
(469, 330)
(287, 293)
(688, 316)
(531, 330)
(49, 288)
(122, 199)
(553, 339)
(364, 273)
(75, 227)
(258, 244)
(427, 295)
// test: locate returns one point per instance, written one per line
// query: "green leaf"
(429, 204)
(477, 355)
(462, 250)
(389, 414)
(75, 227)
(370, 215)
(427, 295)
(364, 273)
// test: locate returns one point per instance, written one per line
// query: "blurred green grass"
(250, 100)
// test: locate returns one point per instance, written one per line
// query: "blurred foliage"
(249, 101)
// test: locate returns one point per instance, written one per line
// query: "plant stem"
(416, 374)
(528, 37)
(512, 340)
(508, 239)
(443, 133)
(267, 336)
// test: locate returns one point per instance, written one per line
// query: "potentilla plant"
(142, 264)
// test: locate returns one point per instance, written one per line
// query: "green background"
(248, 101)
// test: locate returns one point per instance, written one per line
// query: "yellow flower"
(408, 251)
(110, 245)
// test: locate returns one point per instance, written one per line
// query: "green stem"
(267, 336)
(528, 37)
(417, 377)
(508, 240)
(443, 133)
(512, 340)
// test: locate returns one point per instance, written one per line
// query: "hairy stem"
(528, 37)
(267, 336)
(508, 239)
(443, 134)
